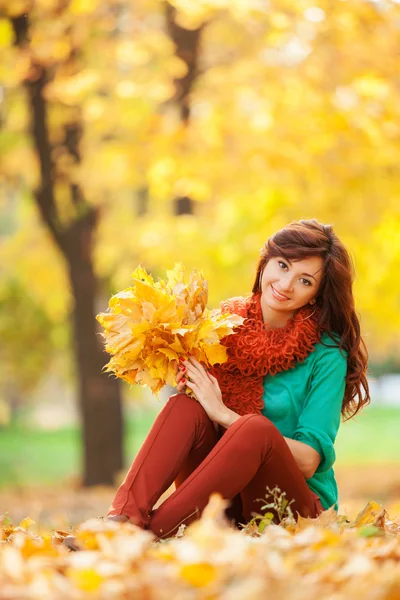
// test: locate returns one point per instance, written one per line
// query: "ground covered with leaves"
(329, 557)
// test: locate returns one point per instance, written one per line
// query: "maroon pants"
(184, 446)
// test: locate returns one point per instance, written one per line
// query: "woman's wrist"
(226, 418)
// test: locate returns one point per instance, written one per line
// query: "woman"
(268, 416)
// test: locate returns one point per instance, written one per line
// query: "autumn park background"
(153, 132)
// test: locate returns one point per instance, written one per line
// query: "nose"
(286, 283)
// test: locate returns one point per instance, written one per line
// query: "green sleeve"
(319, 419)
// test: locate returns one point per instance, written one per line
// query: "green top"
(305, 403)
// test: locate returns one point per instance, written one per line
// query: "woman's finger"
(180, 375)
(197, 364)
(201, 382)
(193, 371)
(214, 381)
(197, 371)
(181, 386)
(195, 389)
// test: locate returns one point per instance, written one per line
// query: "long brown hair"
(337, 317)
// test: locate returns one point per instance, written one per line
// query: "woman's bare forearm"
(227, 417)
(306, 457)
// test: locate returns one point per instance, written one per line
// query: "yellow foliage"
(372, 514)
(81, 7)
(26, 523)
(149, 326)
(291, 115)
(198, 574)
(308, 560)
(72, 90)
(6, 33)
(15, 8)
(86, 580)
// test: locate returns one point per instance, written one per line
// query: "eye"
(305, 281)
(282, 264)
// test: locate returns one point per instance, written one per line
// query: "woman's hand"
(206, 390)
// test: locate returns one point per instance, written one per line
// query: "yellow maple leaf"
(373, 513)
(37, 546)
(198, 574)
(86, 580)
(26, 523)
(170, 353)
(205, 329)
(199, 354)
(167, 312)
(126, 303)
(141, 274)
(129, 376)
(330, 538)
(143, 377)
(145, 291)
(216, 354)
(177, 346)
(175, 276)
(156, 364)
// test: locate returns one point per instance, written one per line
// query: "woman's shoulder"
(328, 348)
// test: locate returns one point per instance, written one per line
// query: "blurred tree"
(187, 49)
(24, 326)
(99, 396)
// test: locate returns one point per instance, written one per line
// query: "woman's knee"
(259, 425)
(187, 405)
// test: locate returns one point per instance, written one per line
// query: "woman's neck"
(275, 318)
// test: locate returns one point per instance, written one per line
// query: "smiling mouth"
(277, 294)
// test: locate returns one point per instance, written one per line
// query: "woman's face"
(289, 285)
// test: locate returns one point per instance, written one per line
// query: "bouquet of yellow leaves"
(149, 326)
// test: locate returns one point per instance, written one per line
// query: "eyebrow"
(309, 275)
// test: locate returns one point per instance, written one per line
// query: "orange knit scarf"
(254, 351)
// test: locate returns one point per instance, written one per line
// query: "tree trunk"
(187, 48)
(99, 395)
